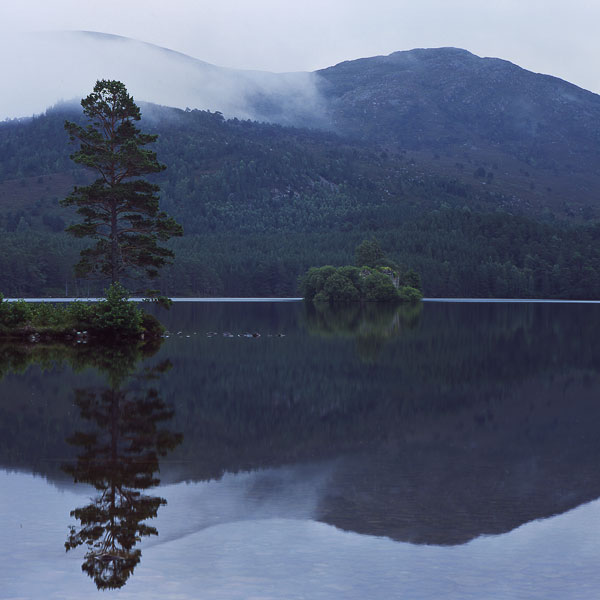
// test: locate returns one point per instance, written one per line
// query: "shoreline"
(253, 299)
(141, 299)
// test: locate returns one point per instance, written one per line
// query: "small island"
(378, 279)
(113, 319)
(120, 213)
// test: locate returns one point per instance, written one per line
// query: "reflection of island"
(369, 324)
(119, 456)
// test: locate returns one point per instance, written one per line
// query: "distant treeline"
(261, 204)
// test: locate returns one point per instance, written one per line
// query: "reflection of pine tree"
(119, 458)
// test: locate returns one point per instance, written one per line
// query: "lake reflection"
(118, 456)
(327, 453)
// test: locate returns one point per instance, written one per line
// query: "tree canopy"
(369, 253)
(120, 210)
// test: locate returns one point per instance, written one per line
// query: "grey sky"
(550, 36)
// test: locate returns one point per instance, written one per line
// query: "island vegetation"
(115, 319)
(120, 213)
(378, 279)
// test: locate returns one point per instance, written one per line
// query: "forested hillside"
(261, 203)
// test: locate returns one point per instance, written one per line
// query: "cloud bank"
(49, 67)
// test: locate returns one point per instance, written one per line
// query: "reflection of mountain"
(476, 419)
(467, 422)
(119, 457)
(486, 470)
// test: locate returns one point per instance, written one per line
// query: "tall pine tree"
(120, 210)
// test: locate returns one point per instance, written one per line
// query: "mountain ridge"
(438, 100)
(460, 84)
(479, 174)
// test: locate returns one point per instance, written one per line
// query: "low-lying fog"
(45, 68)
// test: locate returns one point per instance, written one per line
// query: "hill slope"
(531, 131)
(261, 203)
(479, 174)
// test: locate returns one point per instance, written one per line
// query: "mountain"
(461, 116)
(449, 98)
(537, 131)
(261, 203)
(479, 174)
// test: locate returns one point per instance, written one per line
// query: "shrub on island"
(356, 284)
(113, 318)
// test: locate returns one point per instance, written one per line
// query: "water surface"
(275, 450)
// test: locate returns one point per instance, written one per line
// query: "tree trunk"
(114, 250)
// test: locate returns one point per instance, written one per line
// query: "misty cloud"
(547, 36)
(51, 67)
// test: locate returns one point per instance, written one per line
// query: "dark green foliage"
(338, 288)
(413, 279)
(114, 318)
(314, 281)
(351, 284)
(120, 211)
(116, 315)
(369, 254)
(14, 314)
(378, 287)
(410, 294)
(151, 326)
(374, 280)
(262, 203)
(46, 315)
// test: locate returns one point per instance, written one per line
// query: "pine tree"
(120, 210)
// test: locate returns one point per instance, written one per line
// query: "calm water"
(269, 450)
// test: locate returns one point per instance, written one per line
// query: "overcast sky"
(558, 37)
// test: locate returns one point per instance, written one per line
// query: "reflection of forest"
(353, 319)
(467, 420)
(370, 324)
